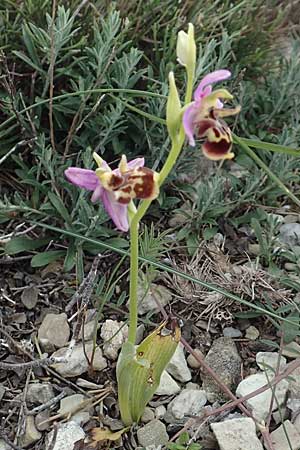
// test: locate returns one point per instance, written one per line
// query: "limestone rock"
(237, 434)
(167, 385)
(291, 350)
(146, 300)
(54, 331)
(154, 433)
(252, 333)
(177, 367)
(77, 363)
(224, 359)
(148, 415)
(39, 393)
(232, 332)
(69, 404)
(114, 334)
(279, 440)
(188, 403)
(260, 404)
(31, 434)
(290, 234)
(267, 361)
(192, 361)
(67, 435)
(29, 297)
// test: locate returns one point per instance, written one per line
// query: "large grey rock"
(224, 359)
(39, 393)
(268, 361)
(77, 363)
(260, 404)
(54, 331)
(114, 334)
(236, 434)
(147, 301)
(188, 403)
(178, 367)
(279, 439)
(154, 433)
(290, 234)
(67, 435)
(167, 385)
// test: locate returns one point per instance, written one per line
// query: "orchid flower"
(116, 188)
(203, 118)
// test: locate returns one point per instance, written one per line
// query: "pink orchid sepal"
(203, 117)
(117, 188)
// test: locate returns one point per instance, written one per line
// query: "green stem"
(134, 268)
(268, 171)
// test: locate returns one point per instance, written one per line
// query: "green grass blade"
(161, 266)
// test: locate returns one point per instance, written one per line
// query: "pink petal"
(97, 194)
(213, 77)
(189, 117)
(136, 163)
(83, 178)
(115, 210)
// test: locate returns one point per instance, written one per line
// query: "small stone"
(279, 440)
(4, 445)
(2, 391)
(114, 334)
(267, 361)
(225, 360)
(177, 367)
(252, 333)
(192, 361)
(294, 384)
(167, 385)
(193, 386)
(296, 424)
(236, 434)
(290, 267)
(29, 297)
(41, 421)
(254, 249)
(54, 331)
(140, 333)
(291, 218)
(188, 403)
(39, 393)
(147, 301)
(69, 405)
(67, 435)
(290, 234)
(291, 350)
(160, 411)
(280, 415)
(77, 363)
(232, 332)
(260, 404)
(154, 433)
(31, 435)
(148, 415)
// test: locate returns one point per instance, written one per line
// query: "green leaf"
(209, 233)
(60, 207)
(70, 259)
(290, 332)
(22, 244)
(139, 370)
(42, 259)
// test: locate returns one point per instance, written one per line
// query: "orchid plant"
(200, 118)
